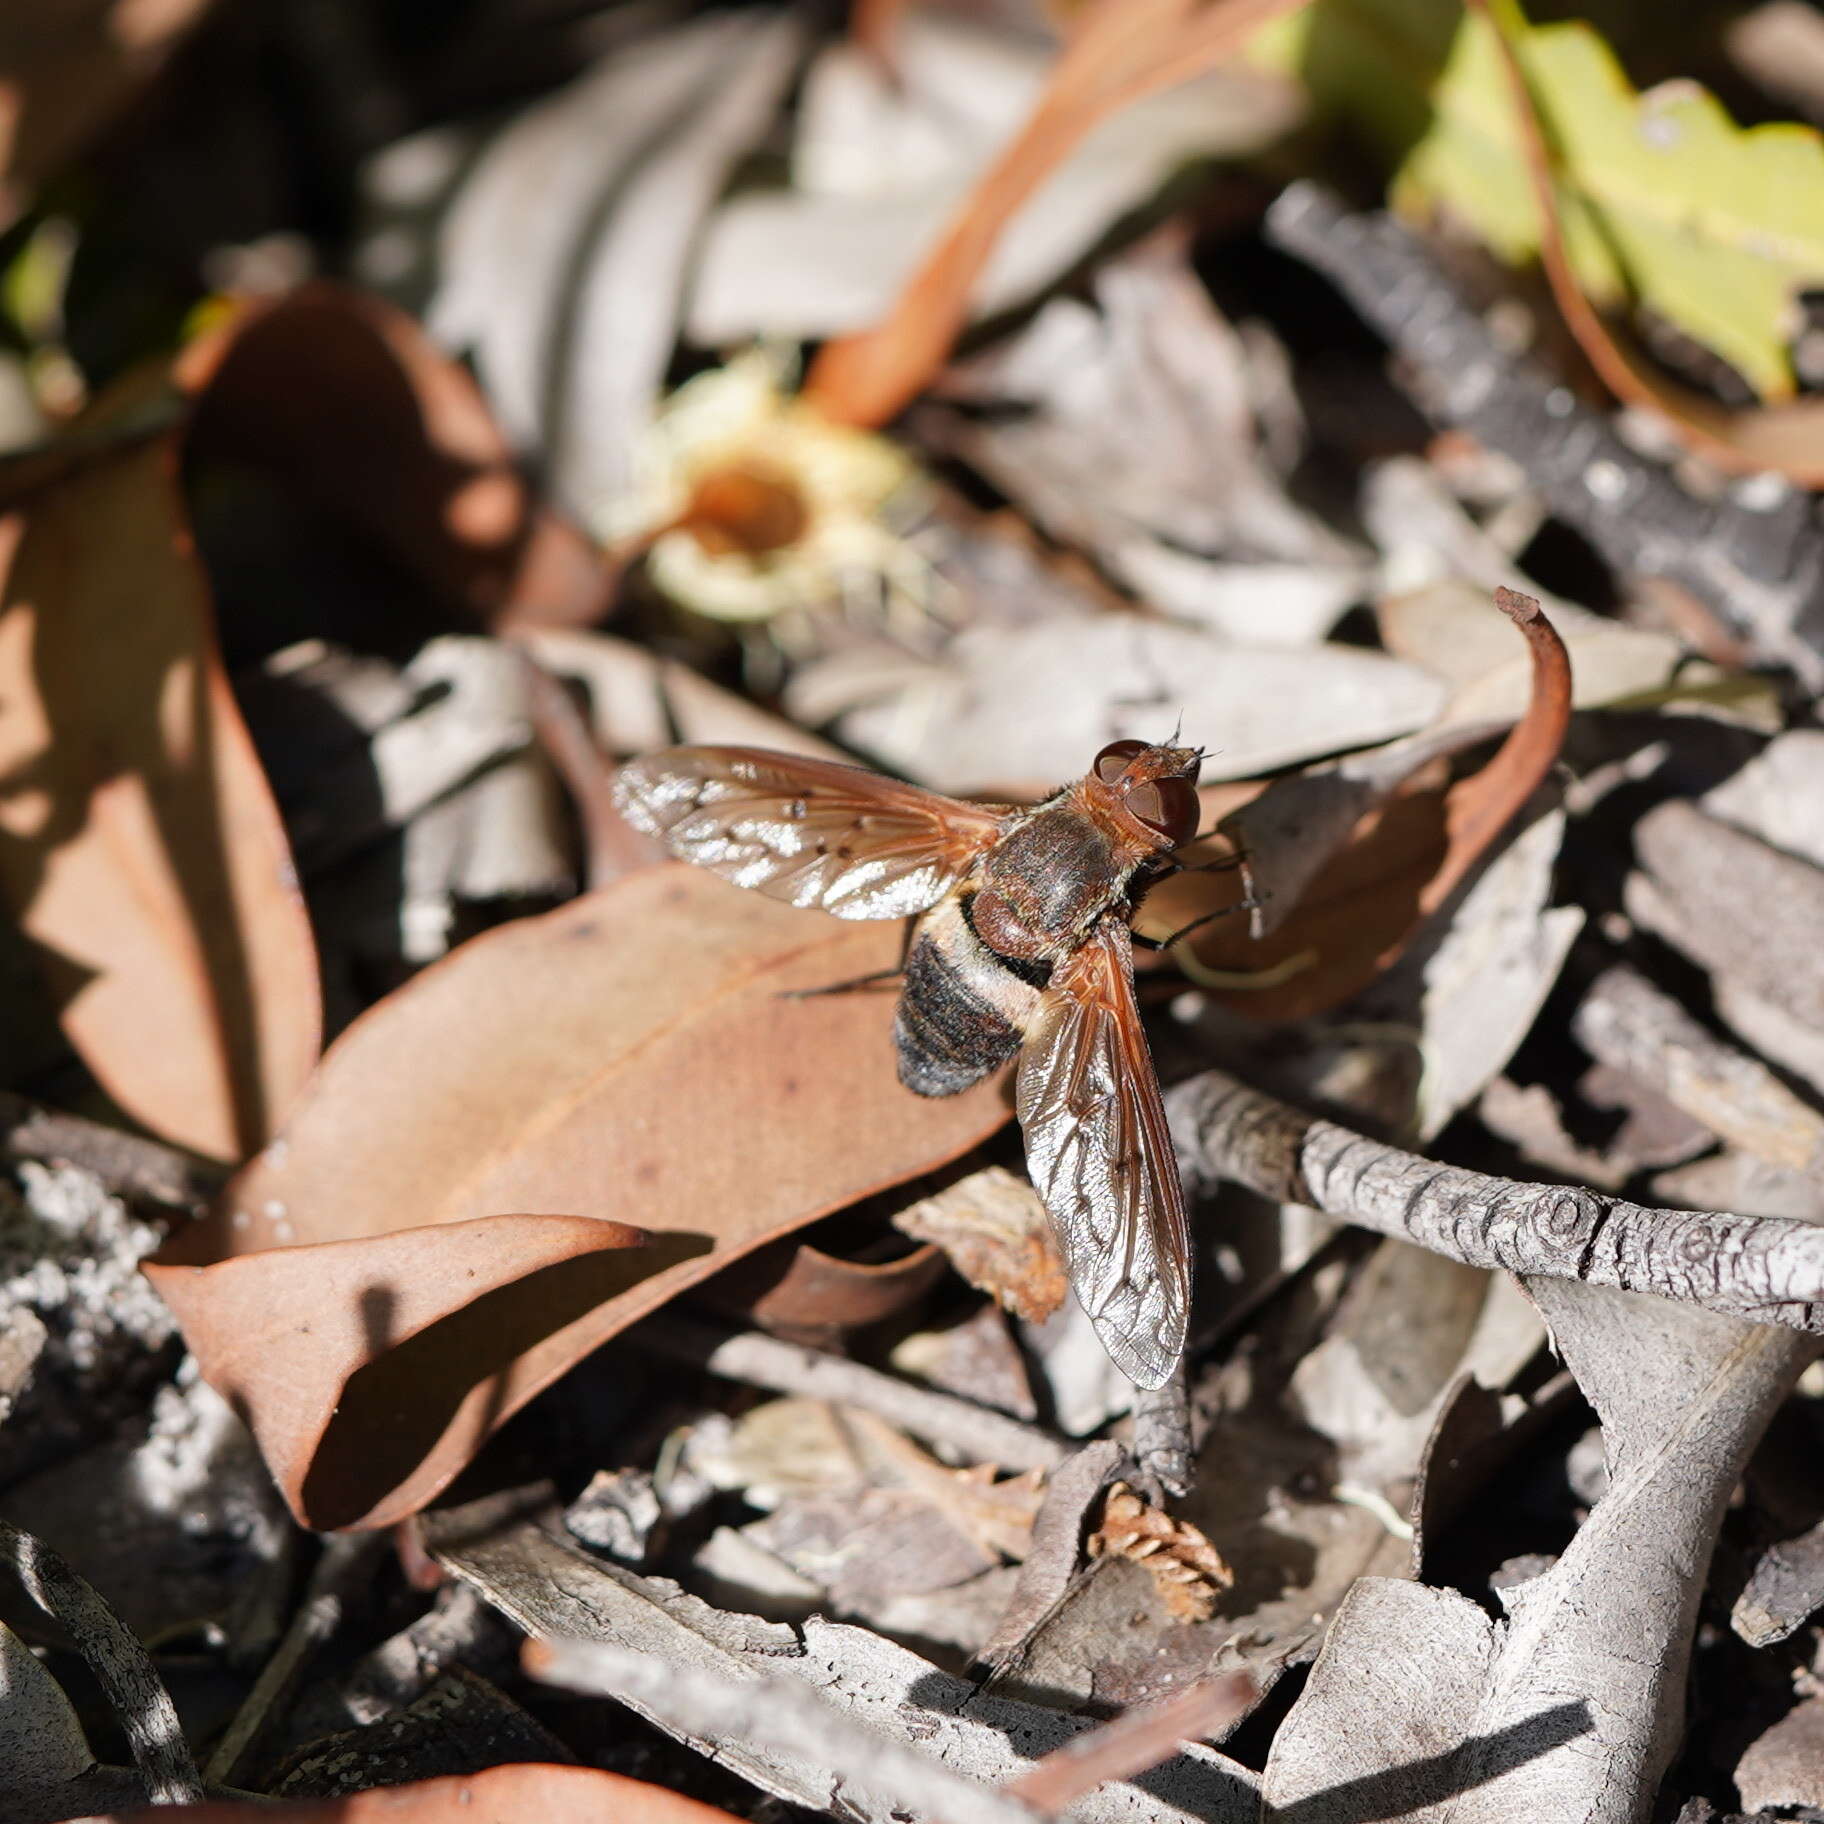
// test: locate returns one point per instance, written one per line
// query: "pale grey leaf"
(1136, 426)
(562, 262)
(41, 1740)
(1779, 795)
(879, 169)
(1009, 705)
(1390, 1704)
(1570, 1708)
(1784, 1766)
(1481, 983)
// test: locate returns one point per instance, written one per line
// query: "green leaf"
(1663, 198)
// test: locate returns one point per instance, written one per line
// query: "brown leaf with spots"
(631, 1058)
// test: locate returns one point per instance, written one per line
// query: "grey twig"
(1764, 1268)
(555, 1592)
(1755, 555)
(121, 1666)
(347, 1562)
(981, 1435)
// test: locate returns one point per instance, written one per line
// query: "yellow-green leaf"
(1663, 198)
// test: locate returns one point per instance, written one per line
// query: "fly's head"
(1148, 793)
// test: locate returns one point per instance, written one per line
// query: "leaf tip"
(1522, 610)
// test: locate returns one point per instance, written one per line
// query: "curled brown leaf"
(1399, 864)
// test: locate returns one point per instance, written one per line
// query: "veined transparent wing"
(813, 832)
(1102, 1159)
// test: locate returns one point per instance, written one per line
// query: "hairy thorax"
(1046, 883)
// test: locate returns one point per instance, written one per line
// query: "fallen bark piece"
(1785, 1589)
(1628, 1023)
(865, 1682)
(982, 1435)
(1699, 874)
(1785, 1765)
(1056, 1551)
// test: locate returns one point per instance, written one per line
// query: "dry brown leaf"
(892, 1521)
(996, 1512)
(66, 66)
(1118, 51)
(524, 1792)
(143, 852)
(1187, 1569)
(998, 1237)
(795, 1289)
(629, 1057)
(344, 402)
(355, 1361)
(1401, 862)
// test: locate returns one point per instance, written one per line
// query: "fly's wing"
(1102, 1160)
(813, 832)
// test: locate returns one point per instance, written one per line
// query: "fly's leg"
(1162, 1455)
(1250, 904)
(849, 987)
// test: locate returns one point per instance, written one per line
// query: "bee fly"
(1023, 944)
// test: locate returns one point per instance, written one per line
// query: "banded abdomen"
(964, 1009)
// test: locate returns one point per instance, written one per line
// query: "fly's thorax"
(1045, 884)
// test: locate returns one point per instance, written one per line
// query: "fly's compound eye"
(1167, 805)
(1111, 763)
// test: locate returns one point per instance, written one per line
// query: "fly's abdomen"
(963, 1012)
(947, 1036)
